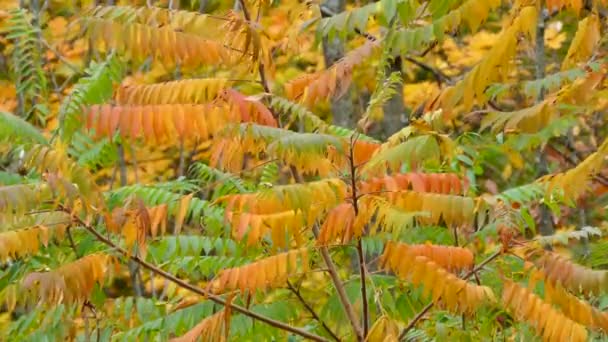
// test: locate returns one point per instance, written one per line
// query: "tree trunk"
(546, 221)
(395, 116)
(342, 108)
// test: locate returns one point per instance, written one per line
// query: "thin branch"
(439, 76)
(311, 310)
(419, 316)
(71, 240)
(353, 182)
(60, 57)
(193, 288)
(261, 69)
(333, 273)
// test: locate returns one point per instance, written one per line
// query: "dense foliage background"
(303, 170)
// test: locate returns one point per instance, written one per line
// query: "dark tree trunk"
(342, 108)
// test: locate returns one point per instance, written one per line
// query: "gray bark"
(342, 108)
(395, 116)
(546, 221)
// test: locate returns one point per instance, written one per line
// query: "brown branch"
(353, 182)
(71, 240)
(439, 76)
(419, 316)
(193, 288)
(569, 159)
(261, 70)
(333, 273)
(311, 311)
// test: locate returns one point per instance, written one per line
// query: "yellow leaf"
(184, 204)
(584, 42)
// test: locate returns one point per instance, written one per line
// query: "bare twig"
(260, 65)
(193, 288)
(312, 312)
(440, 77)
(71, 240)
(133, 267)
(353, 182)
(60, 57)
(333, 273)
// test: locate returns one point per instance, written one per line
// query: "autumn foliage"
(393, 170)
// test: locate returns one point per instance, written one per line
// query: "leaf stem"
(333, 273)
(353, 182)
(312, 312)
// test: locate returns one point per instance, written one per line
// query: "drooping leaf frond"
(471, 12)
(576, 309)
(221, 182)
(282, 227)
(18, 199)
(455, 211)
(212, 328)
(314, 123)
(574, 277)
(156, 195)
(177, 20)
(383, 329)
(93, 154)
(528, 120)
(348, 21)
(17, 130)
(382, 94)
(266, 273)
(550, 83)
(159, 122)
(572, 307)
(443, 183)
(332, 82)
(322, 195)
(445, 288)
(573, 182)
(251, 108)
(17, 244)
(164, 44)
(451, 258)
(522, 194)
(94, 88)
(564, 237)
(412, 152)
(26, 65)
(51, 219)
(308, 151)
(537, 117)
(248, 38)
(584, 42)
(495, 64)
(194, 91)
(72, 282)
(547, 321)
(196, 256)
(230, 149)
(343, 224)
(55, 160)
